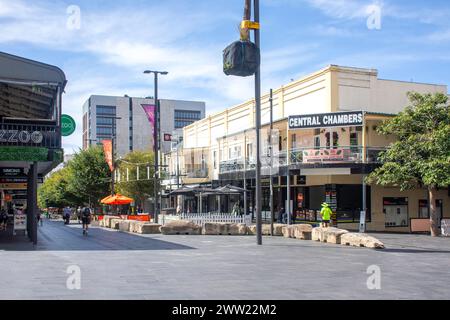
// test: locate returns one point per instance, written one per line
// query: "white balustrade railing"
(202, 218)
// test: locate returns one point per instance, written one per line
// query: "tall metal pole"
(113, 140)
(245, 172)
(271, 163)
(288, 180)
(156, 149)
(258, 128)
(362, 219)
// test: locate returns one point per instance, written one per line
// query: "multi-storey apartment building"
(124, 118)
(323, 144)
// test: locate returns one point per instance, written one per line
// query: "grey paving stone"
(117, 265)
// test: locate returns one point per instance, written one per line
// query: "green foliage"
(421, 155)
(141, 189)
(55, 192)
(90, 176)
(85, 179)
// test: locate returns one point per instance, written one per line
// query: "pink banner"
(150, 112)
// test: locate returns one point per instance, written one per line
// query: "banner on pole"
(150, 112)
(107, 148)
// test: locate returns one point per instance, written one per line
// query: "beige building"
(324, 139)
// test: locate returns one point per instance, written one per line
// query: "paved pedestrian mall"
(117, 265)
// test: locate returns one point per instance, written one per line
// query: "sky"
(104, 46)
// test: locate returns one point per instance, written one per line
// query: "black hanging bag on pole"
(241, 58)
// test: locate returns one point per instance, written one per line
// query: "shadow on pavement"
(55, 236)
(413, 251)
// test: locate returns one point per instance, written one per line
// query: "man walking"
(326, 215)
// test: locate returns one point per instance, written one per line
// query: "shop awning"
(29, 89)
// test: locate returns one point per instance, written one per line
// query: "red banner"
(107, 148)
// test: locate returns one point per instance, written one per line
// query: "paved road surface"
(117, 265)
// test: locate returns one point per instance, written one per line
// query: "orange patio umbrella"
(117, 199)
(106, 199)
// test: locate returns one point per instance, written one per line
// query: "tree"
(54, 192)
(90, 175)
(421, 155)
(139, 188)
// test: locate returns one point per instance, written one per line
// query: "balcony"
(306, 155)
(342, 154)
(196, 172)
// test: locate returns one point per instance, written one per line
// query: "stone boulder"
(298, 231)
(107, 221)
(180, 227)
(333, 235)
(288, 231)
(361, 240)
(221, 228)
(318, 234)
(302, 231)
(124, 225)
(132, 225)
(277, 229)
(147, 228)
(114, 223)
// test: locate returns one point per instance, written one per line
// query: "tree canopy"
(421, 155)
(134, 181)
(85, 179)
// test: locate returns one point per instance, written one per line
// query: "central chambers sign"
(326, 120)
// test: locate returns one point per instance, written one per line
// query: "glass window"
(104, 121)
(186, 117)
(106, 110)
(396, 212)
(104, 130)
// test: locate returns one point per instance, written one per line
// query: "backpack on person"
(86, 212)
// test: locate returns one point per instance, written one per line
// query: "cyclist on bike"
(86, 219)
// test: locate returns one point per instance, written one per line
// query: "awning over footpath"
(30, 110)
(29, 89)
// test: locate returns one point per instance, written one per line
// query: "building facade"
(124, 118)
(322, 146)
(30, 135)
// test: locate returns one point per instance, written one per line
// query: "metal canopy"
(21, 70)
(28, 89)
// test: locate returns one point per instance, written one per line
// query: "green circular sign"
(68, 125)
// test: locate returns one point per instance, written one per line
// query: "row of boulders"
(140, 227)
(331, 235)
(297, 231)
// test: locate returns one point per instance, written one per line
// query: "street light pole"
(258, 201)
(156, 143)
(271, 163)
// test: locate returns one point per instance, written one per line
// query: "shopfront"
(30, 132)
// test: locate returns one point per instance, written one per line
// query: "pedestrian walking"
(236, 210)
(326, 215)
(281, 215)
(66, 215)
(3, 220)
(39, 218)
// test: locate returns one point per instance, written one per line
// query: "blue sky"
(117, 40)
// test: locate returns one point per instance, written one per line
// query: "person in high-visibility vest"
(326, 215)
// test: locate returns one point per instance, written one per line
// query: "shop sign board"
(19, 180)
(323, 155)
(21, 136)
(327, 120)
(11, 172)
(13, 186)
(68, 125)
(20, 222)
